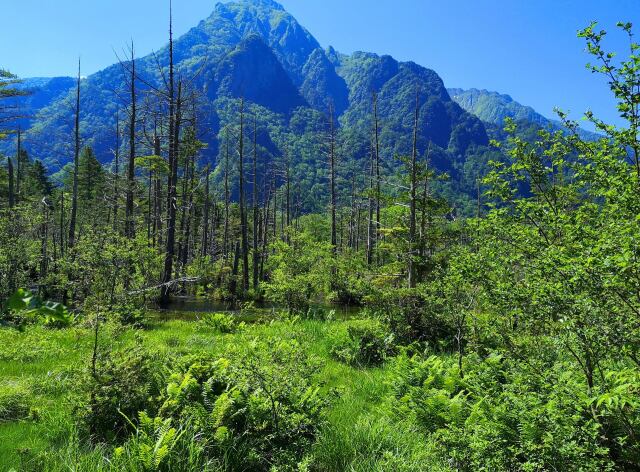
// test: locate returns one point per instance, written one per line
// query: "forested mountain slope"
(493, 108)
(256, 50)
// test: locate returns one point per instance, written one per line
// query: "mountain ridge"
(256, 48)
(494, 107)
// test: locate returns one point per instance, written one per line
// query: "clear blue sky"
(525, 48)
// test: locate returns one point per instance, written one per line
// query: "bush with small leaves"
(150, 448)
(15, 401)
(415, 315)
(124, 384)
(501, 416)
(23, 307)
(366, 344)
(129, 315)
(255, 410)
(222, 323)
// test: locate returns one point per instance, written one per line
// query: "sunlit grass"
(50, 362)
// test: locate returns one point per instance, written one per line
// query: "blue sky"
(525, 48)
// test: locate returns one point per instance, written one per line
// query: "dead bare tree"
(412, 196)
(131, 170)
(76, 167)
(243, 212)
(332, 180)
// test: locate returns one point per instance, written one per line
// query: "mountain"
(253, 71)
(42, 92)
(257, 50)
(493, 108)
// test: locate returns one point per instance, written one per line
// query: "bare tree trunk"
(412, 202)
(233, 288)
(117, 174)
(243, 212)
(255, 203)
(377, 227)
(131, 174)
(76, 164)
(44, 235)
(19, 168)
(62, 223)
(275, 208)
(173, 173)
(283, 212)
(425, 208)
(176, 145)
(358, 225)
(213, 246)
(150, 206)
(204, 251)
(215, 226)
(266, 213)
(372, 206)
(225, 241)
(264, 232)
(157, 195)
(189, 213)
(332, 180)
(352, 216)
(12, 197)
(183, 215)
(288, 190)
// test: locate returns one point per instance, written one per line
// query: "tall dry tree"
(204, 250)
(12, 197)
(376, 149)
(76, 168)
(286, 198)
(332, 179)
(131, 169)
(116, 175)
(412, 195)
(227, 197)
(62, 223)
(243, 210)
(188, 187)
(157, 194)
(255, 203)
(425, 216)
(173, 172)
(19, 167)
(372, 206)
(266, 214)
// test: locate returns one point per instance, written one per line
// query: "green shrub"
(151, 447)
(23, 307)
(125, 383)
(129, 315)
(222, 323)
(300, 272)
(365, 345)
(500, 416)
(256, 410)
(318, 314)
(414, 315)
(15, 401)
(350, 281)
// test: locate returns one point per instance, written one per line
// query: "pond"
(192, 308)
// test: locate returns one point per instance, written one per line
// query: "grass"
(41, 368)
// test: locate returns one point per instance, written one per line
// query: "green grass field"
(40, 370)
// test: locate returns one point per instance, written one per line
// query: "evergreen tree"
(91, 178)
(37, 183)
